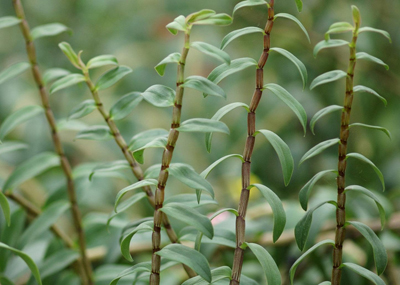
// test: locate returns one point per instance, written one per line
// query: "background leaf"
(83, 109)
(238, 33)
(9, 21)
(97, 133)
(48, 30)
(112, 76)
(13, 70)
(203, 126)
(125, 105)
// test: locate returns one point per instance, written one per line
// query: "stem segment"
(248, 151)
(76, 214)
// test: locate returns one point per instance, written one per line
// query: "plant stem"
(248, 151)
(76, 214)
(341, 183)
(166, 160)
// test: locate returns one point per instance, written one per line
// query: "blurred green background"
(134, 31)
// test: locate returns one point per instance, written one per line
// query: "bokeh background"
(134, 31)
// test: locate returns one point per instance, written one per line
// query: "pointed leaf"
(72, 125)
(366, 56)
(203, 126)
(190, 200)
(199, 15)
(70, 54)
(9, 146)
(360, 88)
(171, 58)
(337, 28)
(160, 142)
(179, 24)
(204, 85)
(144, 225)
(364, 273)
(211, 51)
(207, 171)
(83, 109)
(386, 131)
(328, 44)
(18, 117)
(134, 186)
(238, 33)
(125, 105)
(327, 77)
(382, 32)
(224, 70)
(124, 205)
(102, 60)
(48, 30)
(109, 167)
(217, 20)
(112, 76)
(248, 3)
(159, 95)
(318, 149)
(97, 133)
(58, 261)
(294, 19)
(67, 81)
(138, 268)
(299, 5)
(283, 152)
(9, 21)
(323, 112)
(13, 70)
(143, 138)
(5, 207)
(54, 73)
(217, 274)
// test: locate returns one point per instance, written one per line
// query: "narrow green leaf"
(144, 225)
(67, 81)
(138, 268)
(83, 109)
(112, 76)
(70, 54)
(189, 257)
(5, 208)
(31, 264)
(299, 5)
(190, 200)
(102, 60)
(294, 19)
(211, 51)
(143, 138)
(382, 32)
(268, 264)
(109, 167)
(124, 205)
(31, 168)
(217, 274)
(97, 133)
(204, 85)
(218, 116)
(302, 228)
(9, 21)
(305, 191)
(361, 88)
(134, 186)
(221, 19)
(327, 77)
(238, 33)
(364, 273)
(356, 14)
(328, 44)
(207, 171)
(72, 125)
(370, 163)
(153, 171)
(125, 105)
(224, 70)
(283, 152)
(386, 131)
(54, 73)
(159, 142)
(290, 101)
(323, 112)
(248, 3)
(13, 70)
(179, 24)
(297, 262)
(171, 58)
(159, 95)
(378, 248)
(203, 126)
(277, 210)
(337, 28)
(366, 56)
(18, 117)
(48, 30)
(10, 146)
(318, 149)
(199, 15)
(58, 262)
(365, 191)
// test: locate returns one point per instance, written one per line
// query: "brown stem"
(341, 182)
(166, 160)
(248, 151)
(76, 214)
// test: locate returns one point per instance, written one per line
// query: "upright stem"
(76, 214)
(341, 183)
(248, 151)
(166, 160)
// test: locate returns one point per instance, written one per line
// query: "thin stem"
(341, 182)
(166, 160)
(76, 214)
(248, 151)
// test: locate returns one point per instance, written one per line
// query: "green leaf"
(294, 19)
(102, 60)
(159, 142)
(325, 283)
(238, 33)
(53, 74)
(9, 146)
(337, 28)
(283, 152)
(125, 105)
(364, 273)
(124, 205)
(70, 54)
(297, 262)
(360, 88)
(112, 76)
(134, 186)
(218, 116)
(378, 248)
(189, 216)
(83, 109)
(299, 5)
(305, 191)
(171, 58)
(109, 167)
(5, 208)
(217, 274)
(268, 264)
(199, 15)
(190, 200)
(13, 70)
(386, 131)
(138, 268)
(248, 3)
(323, 112)
(366, 56)
(144, 225)
(207, 171)
(179, 24)
(211, 51)
(356, 15)
(159, 95)
(327, 77)
(72, 125)
(318, 149)
(224, 70)
(9, 21)
(328, 44)
(290, 101)
(32, 266)
(277, 210)
(58, 262)
(302, 228)
(382, 32)
(5, 281)
(204, 85)
(188, 256)
(97, 133)
(217, 20)
(365, 191)
(67, 81)
(203, 126)
(143, 138)
(48, 30)
(370, 163)
(18, 117)
(31, 168)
